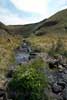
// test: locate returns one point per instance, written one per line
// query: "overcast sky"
(28, 11)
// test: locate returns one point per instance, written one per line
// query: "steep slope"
(3, 29)
(25, 30)
(55, 24)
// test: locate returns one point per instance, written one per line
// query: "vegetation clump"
(29, 82)
(57, 49)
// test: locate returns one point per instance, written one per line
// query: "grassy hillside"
(55, 24)
(41, 36)
(25, 30)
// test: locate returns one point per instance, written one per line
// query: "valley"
(24, 49)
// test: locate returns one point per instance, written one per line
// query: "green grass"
(60, 20)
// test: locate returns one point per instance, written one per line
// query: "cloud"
(58, 2)
(55, 6)
(35, 6)
(28, 11)
(44, 7)
(14, 20)
(7, 17)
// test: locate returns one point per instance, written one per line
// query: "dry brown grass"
(45, 42)
(7, 45)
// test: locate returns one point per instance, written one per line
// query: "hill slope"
(3, 29)
(55, 24)
(24, 30)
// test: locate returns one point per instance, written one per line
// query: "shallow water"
(22, 58)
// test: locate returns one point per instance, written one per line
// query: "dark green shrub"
(29, 82)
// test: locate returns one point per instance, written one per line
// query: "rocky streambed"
(57, 79)
(56, 72)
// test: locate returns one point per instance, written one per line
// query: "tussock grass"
(45, 42)
(7, 45)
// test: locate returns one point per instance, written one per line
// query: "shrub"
(29, 82)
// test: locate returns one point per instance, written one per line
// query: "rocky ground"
(56, 73)
(57, 78)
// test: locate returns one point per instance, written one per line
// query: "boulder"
(2, 92)
(65, 94)
(61, 84)
(51, 65)
(60, 68)
(57, 88)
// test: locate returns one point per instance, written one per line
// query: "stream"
(22, 58)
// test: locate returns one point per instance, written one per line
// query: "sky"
(14, 12)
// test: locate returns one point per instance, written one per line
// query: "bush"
(29, 82)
